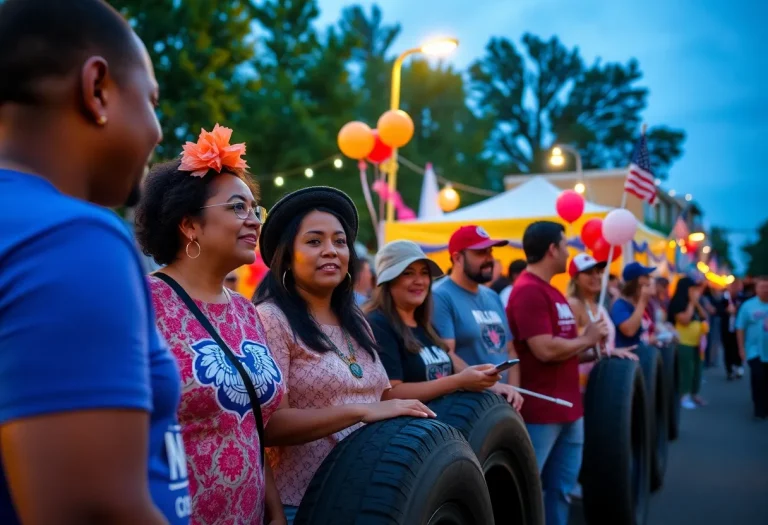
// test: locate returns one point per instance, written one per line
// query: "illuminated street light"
(435, 47)
(439, 47)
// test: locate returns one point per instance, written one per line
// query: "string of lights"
(308, 171)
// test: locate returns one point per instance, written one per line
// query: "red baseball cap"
(472, 238)
(582, 262)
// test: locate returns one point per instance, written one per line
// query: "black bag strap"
(203, 320)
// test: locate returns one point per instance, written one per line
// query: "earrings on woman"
(197, 245)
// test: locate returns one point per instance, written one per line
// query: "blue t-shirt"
(753, 319)
(620, 312)
(476, 321)
(77, 329)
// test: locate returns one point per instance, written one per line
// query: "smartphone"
(503, 366)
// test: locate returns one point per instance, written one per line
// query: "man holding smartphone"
(548, 344)
(470, 318)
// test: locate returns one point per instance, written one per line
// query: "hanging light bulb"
(309, 173)
(279, 181)
(448, 199)
(338, 164)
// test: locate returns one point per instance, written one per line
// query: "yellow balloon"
(448, 199)
(395, 128)
(356, 140)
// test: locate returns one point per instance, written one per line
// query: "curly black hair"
(168, 196)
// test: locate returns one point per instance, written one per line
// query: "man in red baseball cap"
(470, 318)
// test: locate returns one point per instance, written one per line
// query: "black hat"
(295, 204)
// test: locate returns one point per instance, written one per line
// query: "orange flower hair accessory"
(212, 152)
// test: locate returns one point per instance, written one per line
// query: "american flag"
(640, 180)
(680, 230)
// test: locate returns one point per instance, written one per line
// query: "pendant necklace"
(351, 361)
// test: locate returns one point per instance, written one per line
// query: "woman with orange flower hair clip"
(199, 217)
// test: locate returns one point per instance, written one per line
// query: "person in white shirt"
(515, 269)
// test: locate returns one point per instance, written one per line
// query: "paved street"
(718, 468)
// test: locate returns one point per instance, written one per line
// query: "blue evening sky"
(703, 62)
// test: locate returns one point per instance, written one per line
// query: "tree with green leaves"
(758, 253)
(199, 49)
(557, 98)
(721, 246)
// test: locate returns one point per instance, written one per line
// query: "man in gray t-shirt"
(470, 318)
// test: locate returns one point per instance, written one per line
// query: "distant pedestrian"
(752, 335)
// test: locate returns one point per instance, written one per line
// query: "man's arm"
(458, 363)
(548, 349)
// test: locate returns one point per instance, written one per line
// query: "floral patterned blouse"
(226, 480)
(315, 380)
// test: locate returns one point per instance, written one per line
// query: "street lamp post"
(436, 47)
(557, 160)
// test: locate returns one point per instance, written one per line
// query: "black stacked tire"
(669, 358)
(658, 411)
(498, 436)
(403, 471)
(616, 468)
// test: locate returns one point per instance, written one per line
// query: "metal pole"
(394, 103)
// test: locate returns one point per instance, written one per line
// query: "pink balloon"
(619, 226)
(569, 206)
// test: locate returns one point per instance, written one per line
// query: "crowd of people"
(223, 407)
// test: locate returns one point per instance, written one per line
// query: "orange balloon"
(448, 199)
(356, 140)
(395, 128)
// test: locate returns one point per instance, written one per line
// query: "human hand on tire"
(395, 408)
(625, 353)
(512, 396)
(477, 378)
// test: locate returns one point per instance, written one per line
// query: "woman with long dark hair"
(689, 317)
(199, 217)
(319, 337)
(400, 313)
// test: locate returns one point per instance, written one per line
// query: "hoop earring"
(284, 286)
(349, 276)
(199, 250)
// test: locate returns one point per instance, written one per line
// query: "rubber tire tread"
(490, 424)
(669, 358)
(384, 473)
(607, 469)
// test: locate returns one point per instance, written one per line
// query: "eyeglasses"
(243, 210)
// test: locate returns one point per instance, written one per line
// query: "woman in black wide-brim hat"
(318, 336)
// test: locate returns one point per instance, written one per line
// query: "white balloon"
(619, 226)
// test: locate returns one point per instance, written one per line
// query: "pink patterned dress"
(226, 481)
(314, 380)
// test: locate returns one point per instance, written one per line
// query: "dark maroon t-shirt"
(537, 308)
